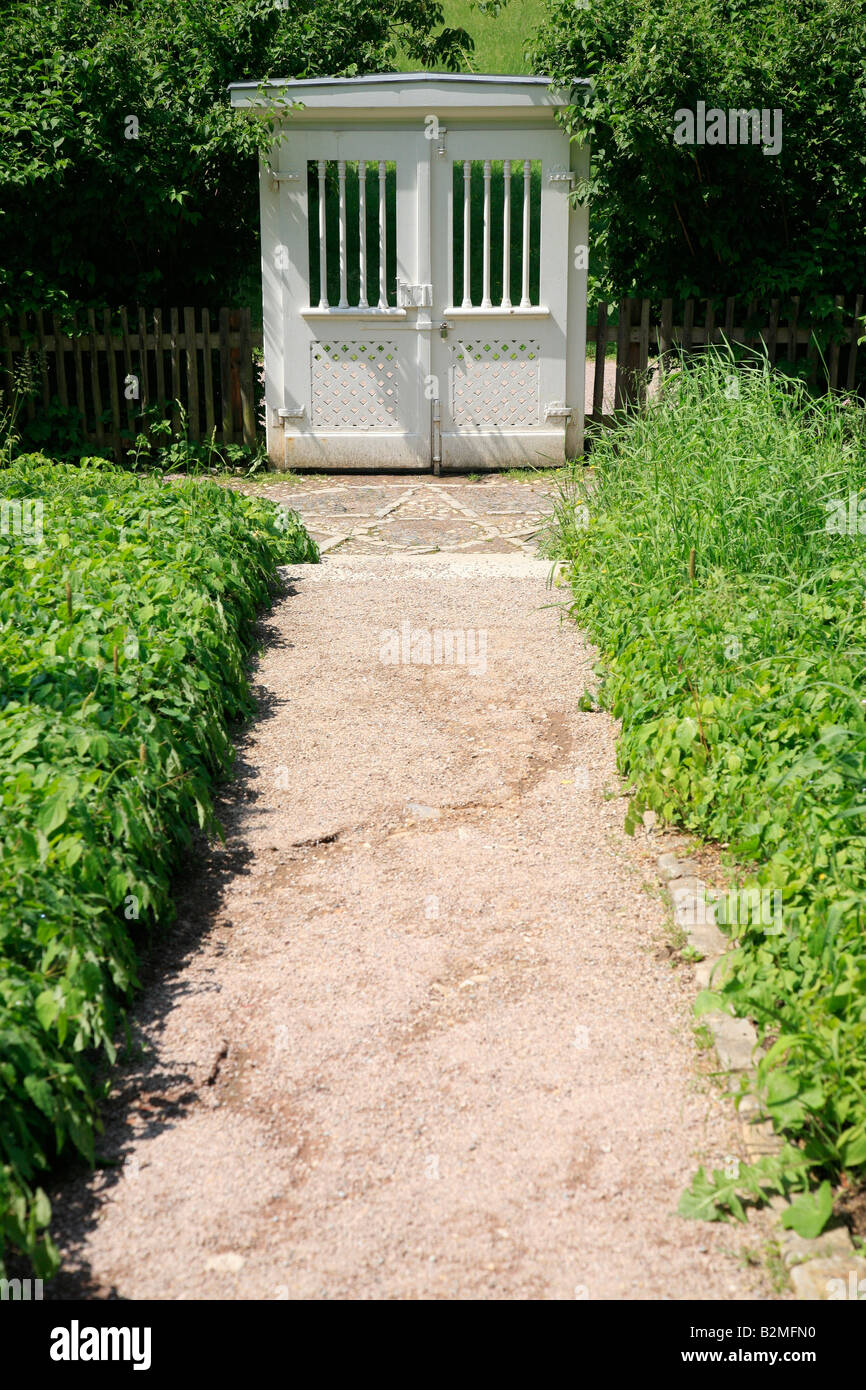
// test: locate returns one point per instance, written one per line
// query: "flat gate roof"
(398, 93)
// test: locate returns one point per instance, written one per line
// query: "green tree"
(674, 218)
(97, 207)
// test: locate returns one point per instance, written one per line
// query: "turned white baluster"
(362, 231)
(486, 302)
(344, 269)
(323, 240)
(467, 230)
(506, 234)
(527, 180)
(383, 274)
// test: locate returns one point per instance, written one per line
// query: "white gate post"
(575, 346)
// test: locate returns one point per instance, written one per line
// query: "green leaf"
(789, 1097)
(711, 1198)
(809, 1213)
(53, 813)
(24, 745)
(41, 1208)
(687, 732)
(46, 1007)
(852, 1147)
(41, 1093)
(708, 1002)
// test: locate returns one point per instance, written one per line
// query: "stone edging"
(811, 1264)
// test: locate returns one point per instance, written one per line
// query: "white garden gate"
(424, 273)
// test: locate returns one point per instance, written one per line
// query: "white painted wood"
(323, 238)
(390, 96)
(362, 231)
(575, 339)
(424, 371)
(383, 234)
(501, 368)
(486, 302)
(506, 238)
(344, 255)
(467, 232)
(527, 206)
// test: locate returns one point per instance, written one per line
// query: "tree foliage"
(681, 219)
(91, 214)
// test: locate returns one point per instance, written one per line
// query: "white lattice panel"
(354, 385)
(494, 383)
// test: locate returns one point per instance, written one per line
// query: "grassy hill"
(500, 42)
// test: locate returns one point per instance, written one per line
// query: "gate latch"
(414, 296)
(557, 410)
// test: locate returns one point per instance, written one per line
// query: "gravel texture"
(416, 1033)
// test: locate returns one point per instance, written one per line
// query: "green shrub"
(123, 632)
(743, 707)
(125, 176)
(717, 219)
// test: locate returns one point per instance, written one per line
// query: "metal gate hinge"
(414, 296)
(295, 412)
(557, 410)
(278, 178)
(560, 175)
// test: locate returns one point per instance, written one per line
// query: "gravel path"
(416, 1033)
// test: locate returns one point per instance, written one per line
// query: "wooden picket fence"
(122, 370)
(645, 331)
(118, 372)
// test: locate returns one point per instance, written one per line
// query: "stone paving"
(418, 514)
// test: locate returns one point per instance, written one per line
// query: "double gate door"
(431, 285)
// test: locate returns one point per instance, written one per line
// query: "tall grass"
(743, 704)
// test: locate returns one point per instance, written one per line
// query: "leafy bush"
(123, 630)
(97, 209)
(741, 695)
(675, 219)
(167, 449)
